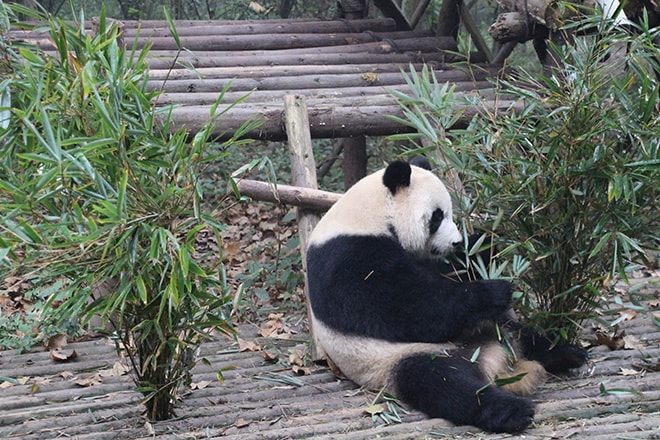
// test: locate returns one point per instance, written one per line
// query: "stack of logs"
(344, 68)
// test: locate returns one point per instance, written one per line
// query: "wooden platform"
(344, 68)
(616, 397)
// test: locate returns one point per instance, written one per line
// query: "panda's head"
(404, 201)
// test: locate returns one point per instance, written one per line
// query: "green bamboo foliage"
(568, 186)
(100, 199)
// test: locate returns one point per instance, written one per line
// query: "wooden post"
(354, 148)
(448, 19)
(303, 173)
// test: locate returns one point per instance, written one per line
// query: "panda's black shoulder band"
(397, 175)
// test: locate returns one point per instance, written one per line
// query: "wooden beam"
(473, 30)
(391, 10)
(301, 197)
(418, 13)
(325, 122)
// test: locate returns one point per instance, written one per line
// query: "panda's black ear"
(421, 161)
(397, 175)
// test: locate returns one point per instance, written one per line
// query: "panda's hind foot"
(504, 412)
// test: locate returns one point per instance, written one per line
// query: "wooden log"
(185, 28)
(379, 46)
(157, 23)
(269, 27)
(303, 173)
(347, 96)
(273, 42)
(276, 59)
(510, 26)
(307, 81)
(549, 13)
(325, 122)
(301, 197)
(277, 71)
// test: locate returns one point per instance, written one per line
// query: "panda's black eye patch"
(436, 220)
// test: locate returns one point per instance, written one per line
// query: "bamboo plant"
(101, 198)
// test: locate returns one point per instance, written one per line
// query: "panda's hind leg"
(454, 388)
(495, 363)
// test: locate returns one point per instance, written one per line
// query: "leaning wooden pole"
(309, 199)
(303, 173)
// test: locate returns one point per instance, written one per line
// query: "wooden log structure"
(344, 69)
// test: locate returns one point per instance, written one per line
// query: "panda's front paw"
(562, 358)
(493, 296)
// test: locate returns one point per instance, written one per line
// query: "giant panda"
(390, 321)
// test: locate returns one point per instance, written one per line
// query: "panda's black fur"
(384, 313)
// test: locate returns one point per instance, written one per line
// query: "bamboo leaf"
(141, 288)
(475, 355)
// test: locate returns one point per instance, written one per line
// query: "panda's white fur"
(386, 323)
(378, 209)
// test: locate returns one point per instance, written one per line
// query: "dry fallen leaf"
(269, 356)
(296, 357)
(56, 342)
(628, 315)
(633, 343)
(628, 372)
(66, 374)
(613, 342)
(89, 380)
(200, 385)
(241, 423)
(276, 327)
(117, 370)
(63, 356)
(55, 345)
(247, 345)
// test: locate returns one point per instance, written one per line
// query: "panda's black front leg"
(453, 388)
